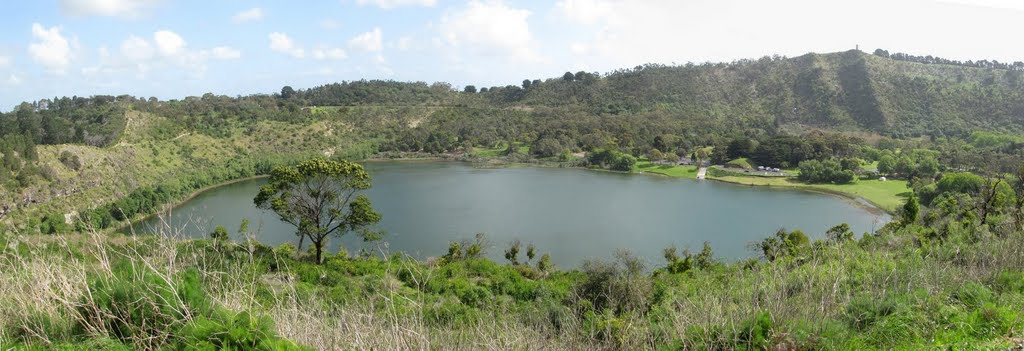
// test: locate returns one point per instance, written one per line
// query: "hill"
(93, 151)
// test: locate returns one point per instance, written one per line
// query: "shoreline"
(858, 200)
(179, 202)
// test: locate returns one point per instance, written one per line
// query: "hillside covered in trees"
(65, 155)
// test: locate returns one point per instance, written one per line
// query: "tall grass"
(894, 290)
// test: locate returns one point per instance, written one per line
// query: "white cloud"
(492, 29)
(390, 4)
(50, 49)
(225, 53)
(13, 79)
(136, 49)
(108, 8)
(280, 42)
(370, 41)
(586, 11)
(253, 14)
(168, 43)
(325, 53)
(5, 61)
(995, 4)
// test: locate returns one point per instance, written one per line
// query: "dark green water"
(572, 214)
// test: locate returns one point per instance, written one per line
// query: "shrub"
(141, 307)
(973, 295)
(617, 286)
(1009, 281)
(70, 160)
(863, 311)
(756, 333)
(990, 320)
(784, 244)
(240, 331)
(828, 171)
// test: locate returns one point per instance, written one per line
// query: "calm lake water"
(570, 213)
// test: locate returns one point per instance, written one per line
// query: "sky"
(176, 48)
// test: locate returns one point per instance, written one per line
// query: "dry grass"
(49, 281)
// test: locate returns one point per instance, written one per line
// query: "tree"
(1018, 189)
(287, 92)
(928, 167)
(905, 166)
(219, 234)
(886, 164)
(839, 233)
(672, 158)
(321, 198)
(527, 83)
(470, 89)
(740, 147)
(546, 147)
(656, 155)
(512, 253)
(624, 163)
(827, 171)
(910, 211)
(719, 155)
(568, 77)
(850, 164)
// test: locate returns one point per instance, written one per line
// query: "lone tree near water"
(321, 198)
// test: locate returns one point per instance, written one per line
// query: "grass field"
(498, 151)
(887, 195)
(668, 170)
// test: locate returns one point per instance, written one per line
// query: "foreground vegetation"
(946, 273)
(902, 288)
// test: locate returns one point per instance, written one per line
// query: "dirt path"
(702, 172)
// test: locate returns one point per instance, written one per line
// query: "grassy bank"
(885, 195)
(676, 171)
(888, 291)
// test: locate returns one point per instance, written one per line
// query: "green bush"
(756, 333)
(136, 305)
(990, 320)
(448, 313)
(973, 295)
(1009, 281)
(863, 311)
(240, 331)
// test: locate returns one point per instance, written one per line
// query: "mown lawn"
(888, 195)
(668, 170)
(498, 151)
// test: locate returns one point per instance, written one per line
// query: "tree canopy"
(321, 198)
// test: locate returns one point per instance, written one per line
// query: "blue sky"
(176, 48)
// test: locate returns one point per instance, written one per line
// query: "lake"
(572, 214)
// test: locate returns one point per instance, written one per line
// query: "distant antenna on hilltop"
(858, 47)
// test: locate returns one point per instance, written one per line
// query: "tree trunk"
(319, 251)
(298, 251)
